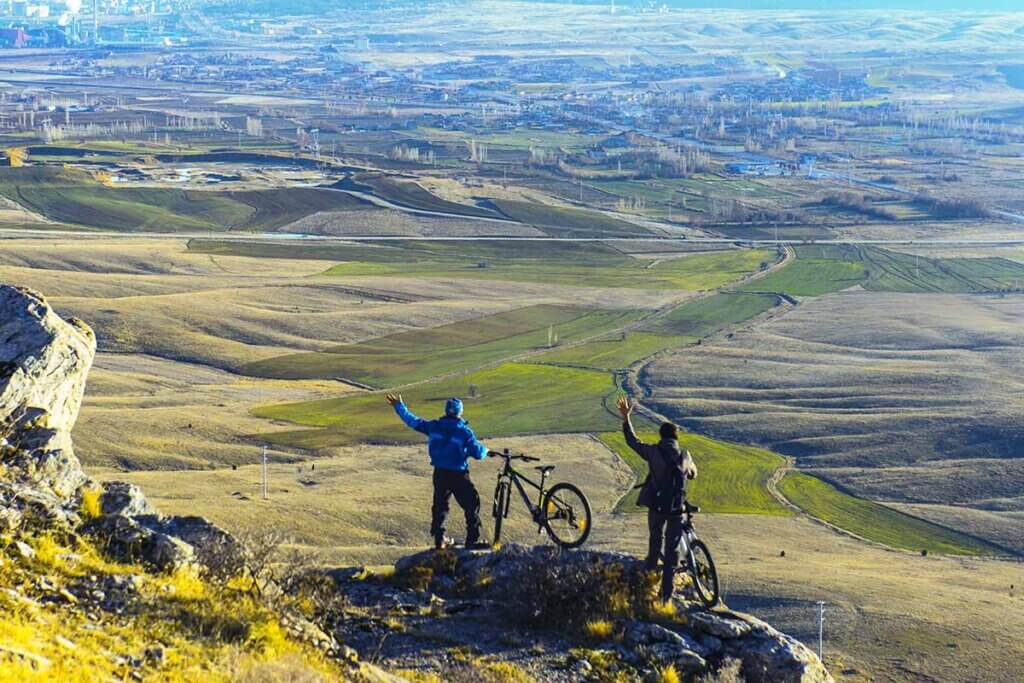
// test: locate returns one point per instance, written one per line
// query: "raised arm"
(689, 466)
(626, 410)
(410, 420)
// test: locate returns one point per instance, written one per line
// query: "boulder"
(120, 498)
(125, 539)
(44, 362)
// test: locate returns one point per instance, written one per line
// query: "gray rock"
(44, 362)
(129, 541)
(769, 656)
(718, 625)
(120, 498)
(24, 550)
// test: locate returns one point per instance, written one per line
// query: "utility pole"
(821, 626)
(265, 495)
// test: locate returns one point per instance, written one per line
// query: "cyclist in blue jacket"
(451, 443)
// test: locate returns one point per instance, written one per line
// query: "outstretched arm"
(410, 420)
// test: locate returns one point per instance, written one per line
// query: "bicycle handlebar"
(509, 456)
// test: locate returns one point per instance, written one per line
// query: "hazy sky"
(963, 5)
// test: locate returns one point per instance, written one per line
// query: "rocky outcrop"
(44, 363)
(558, 593)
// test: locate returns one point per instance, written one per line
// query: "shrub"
(572, 593)
(90, 507)
(668, 675)
(599, 629)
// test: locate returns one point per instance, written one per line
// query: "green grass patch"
(820, 269)
(876, 522)
(708, 315)
(811, 277)
(730, 478)
(421, 354)
(511, 399)
(613, 354)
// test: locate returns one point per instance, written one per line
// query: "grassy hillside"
(708, 315)
(731, 478)
(511, 399)
(202, 632)
(876, 522)
(412, 194)
(75, 197)
(568, 222)
(420, 354)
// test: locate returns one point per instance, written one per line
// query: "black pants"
(666, 533)
(446, 484)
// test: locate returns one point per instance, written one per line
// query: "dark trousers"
(666, 533)
(446, 484)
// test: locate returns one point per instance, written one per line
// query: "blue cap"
(453, 407)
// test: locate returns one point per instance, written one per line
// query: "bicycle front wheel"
(501, 496)
(705, 576)
(566, 514)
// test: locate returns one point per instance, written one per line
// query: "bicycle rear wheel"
(705, 576)
(567, 515)
(501, 496)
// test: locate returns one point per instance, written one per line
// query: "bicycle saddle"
(544, 468)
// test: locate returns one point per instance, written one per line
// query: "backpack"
(665, 497)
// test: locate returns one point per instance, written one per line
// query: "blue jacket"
(450, 441)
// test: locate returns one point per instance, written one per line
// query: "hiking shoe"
(442, 542)
(478, 545)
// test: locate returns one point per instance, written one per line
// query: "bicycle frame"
(518, 478)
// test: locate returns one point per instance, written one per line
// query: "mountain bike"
(697, 561)
(562, 510)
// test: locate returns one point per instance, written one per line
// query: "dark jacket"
(661, 458)
(450, 441)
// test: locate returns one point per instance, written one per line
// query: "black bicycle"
(698, 562)
(563, 511)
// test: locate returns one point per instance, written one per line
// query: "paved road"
(40, 233)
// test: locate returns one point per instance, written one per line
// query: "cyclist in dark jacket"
(663, 494)
(451, 443)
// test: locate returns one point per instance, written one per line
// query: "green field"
(75, 198)
(811, 277)
(425, 353)
(876, 522)
(511, 399)
(698, 272)
(711, 314)
(613, 354)
(730, 478)
(820, 269)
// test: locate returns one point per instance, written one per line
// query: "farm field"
(708, 315)
(418, 355)
(876, 522)
(694, 273)
(731, 478)
(819, 270)
(613, 354)
(512, 399)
